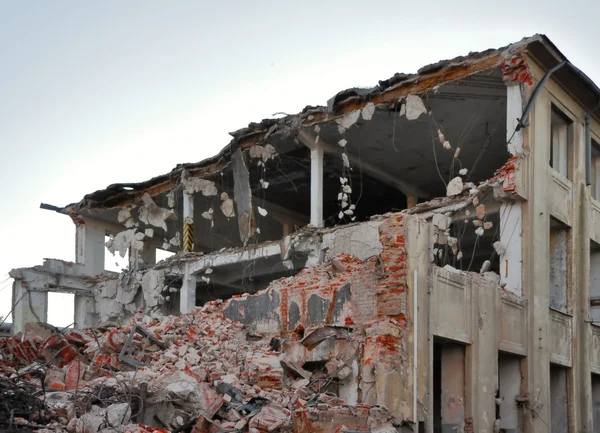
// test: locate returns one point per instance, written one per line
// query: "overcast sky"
(95, 93)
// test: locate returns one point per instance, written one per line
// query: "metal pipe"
(525, 117)
(588, 151)
(47, 206)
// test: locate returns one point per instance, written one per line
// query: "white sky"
(95, 93)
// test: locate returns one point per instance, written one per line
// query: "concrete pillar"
(482, 357)
(453, 388)
(187, 300)
(316, 185)
(28, 306)
(579, 382)
(188, 222)
(90, 247)
(536, 273)
(511, 238)
(84, 312)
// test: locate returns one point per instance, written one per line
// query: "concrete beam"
(41, 279)
(285, 216)
(235, 256)
(308, 138)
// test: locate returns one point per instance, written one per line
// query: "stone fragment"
(455, 187)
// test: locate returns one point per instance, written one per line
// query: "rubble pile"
(199, 372)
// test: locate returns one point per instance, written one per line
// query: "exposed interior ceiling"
(383, 152)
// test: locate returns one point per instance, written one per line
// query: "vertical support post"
(511, 237)
(89, 249)
(187, 300)
(188, 222)
(84, 312)
(28, 306)
(316, 185)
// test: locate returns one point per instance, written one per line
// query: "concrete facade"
(470, 312)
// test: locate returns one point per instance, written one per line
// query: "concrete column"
(482, 357)
(453, 388)
(84, 312)
(316, 185)
(511, 238)
(28, 306)
(187, 300)
(536, 273)
(417, 237)
(90, 247)
(188, 222)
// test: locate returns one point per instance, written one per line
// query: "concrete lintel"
(42, 280)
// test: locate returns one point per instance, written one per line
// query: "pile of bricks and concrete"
(203, 372)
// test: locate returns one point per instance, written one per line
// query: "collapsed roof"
(385, 96)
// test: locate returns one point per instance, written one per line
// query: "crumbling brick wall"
(367, 297)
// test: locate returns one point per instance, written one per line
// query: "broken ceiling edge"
(387, 91)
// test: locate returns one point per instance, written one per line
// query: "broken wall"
(362, 298)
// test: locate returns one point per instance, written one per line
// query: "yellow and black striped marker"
(188, 238)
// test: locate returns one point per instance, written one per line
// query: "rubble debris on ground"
(199, 373)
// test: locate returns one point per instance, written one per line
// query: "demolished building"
(419, 255)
